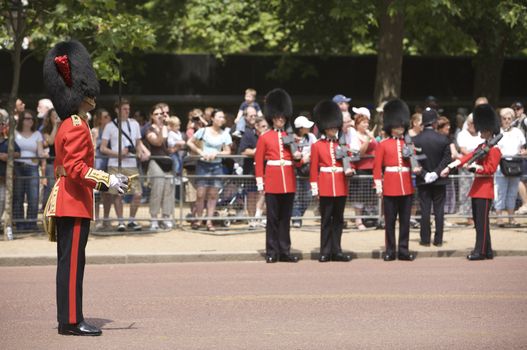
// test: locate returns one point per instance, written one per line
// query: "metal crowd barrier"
(232, 207)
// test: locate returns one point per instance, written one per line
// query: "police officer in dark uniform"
(431, 187)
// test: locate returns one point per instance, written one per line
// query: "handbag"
(511, 166)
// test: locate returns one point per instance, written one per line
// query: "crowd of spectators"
(159, 156)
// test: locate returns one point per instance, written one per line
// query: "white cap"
(303, 122)
(380, 107)
(362, 110)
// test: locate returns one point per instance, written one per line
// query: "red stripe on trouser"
(73, 271)
(485, 228)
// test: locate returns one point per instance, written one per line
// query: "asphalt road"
(366, 304)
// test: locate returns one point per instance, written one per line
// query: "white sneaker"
(168, 224)
(99, 226)
(253, 224)
(521, 210)
(154, 226)
(121, 227)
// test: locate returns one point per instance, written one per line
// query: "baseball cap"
(517, 105)
(341, 98)
(303, 122)
(429, 116)
(362, 110)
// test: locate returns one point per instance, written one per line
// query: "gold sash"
(50, 212)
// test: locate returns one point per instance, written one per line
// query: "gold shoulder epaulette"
(76, 120)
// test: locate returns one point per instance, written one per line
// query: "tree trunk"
(488, 64)
(390, 54)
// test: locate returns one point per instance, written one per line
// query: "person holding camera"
(131, 148)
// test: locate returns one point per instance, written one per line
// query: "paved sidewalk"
(184, 245)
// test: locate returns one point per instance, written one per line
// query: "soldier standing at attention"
(71, 83)
(395, 185)
(275, 175)
(328, 181)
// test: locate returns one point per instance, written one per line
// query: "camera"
(131, 149)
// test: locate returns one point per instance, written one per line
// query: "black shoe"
(438, 244)
(473, 256)
(406, 257)
(134, 226)
(425, 244)
(270, 259)
(489, 255)
(389, 257)
(341, 257)
(324, 258)
(288, 258)
(81, 328)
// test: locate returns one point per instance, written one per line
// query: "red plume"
(63, 65)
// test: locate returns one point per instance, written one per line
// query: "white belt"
(396, 169)
(279, 162)
(331, 169)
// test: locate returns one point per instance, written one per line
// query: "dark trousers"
(432, 195)
(279, 209)
(72, 236)
(331, 224)
(393, 206)
(480, 214)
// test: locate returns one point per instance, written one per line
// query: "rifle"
(408, 152)
(343, 153)
(289, 141)
(483, 150)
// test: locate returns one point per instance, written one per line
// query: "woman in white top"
(26, 171)
(507, 186)
(467, 140)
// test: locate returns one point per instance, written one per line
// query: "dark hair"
(20, 123)
(97, 117)
(47, 127)
(121, 103)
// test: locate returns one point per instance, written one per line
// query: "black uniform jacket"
(436, 147)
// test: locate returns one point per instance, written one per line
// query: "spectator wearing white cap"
(304, 139)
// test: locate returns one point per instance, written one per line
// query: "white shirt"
(173, 137)
(464, 139)
(28, 147)
(352, 139)
(512, 142)
(111, 134)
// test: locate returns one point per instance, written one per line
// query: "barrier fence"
(237, 201)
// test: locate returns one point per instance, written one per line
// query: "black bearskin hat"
(327, 115)
(277, 103)
(396, 114)
(69, 77)
(485, 119)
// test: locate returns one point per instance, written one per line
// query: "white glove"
(118, 184)
(378, 187)
(475, 167)
(314, 189)
(259, 184)
(430, 177)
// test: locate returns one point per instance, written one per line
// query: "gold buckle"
(334, 169)
(282, 162)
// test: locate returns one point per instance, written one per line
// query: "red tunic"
(73, 192)
(279, 173)
(331, 181)
(397, 171)
(483, 185)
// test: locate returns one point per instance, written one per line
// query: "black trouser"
(480, 214)
(393, 206)
(279, 209)
(72, 236)
(428, 195)
(331, 224)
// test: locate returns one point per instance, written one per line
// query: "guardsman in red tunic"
(72, 85)
(328, 181)
(274, 167)
(482, 190)
(395, 186)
